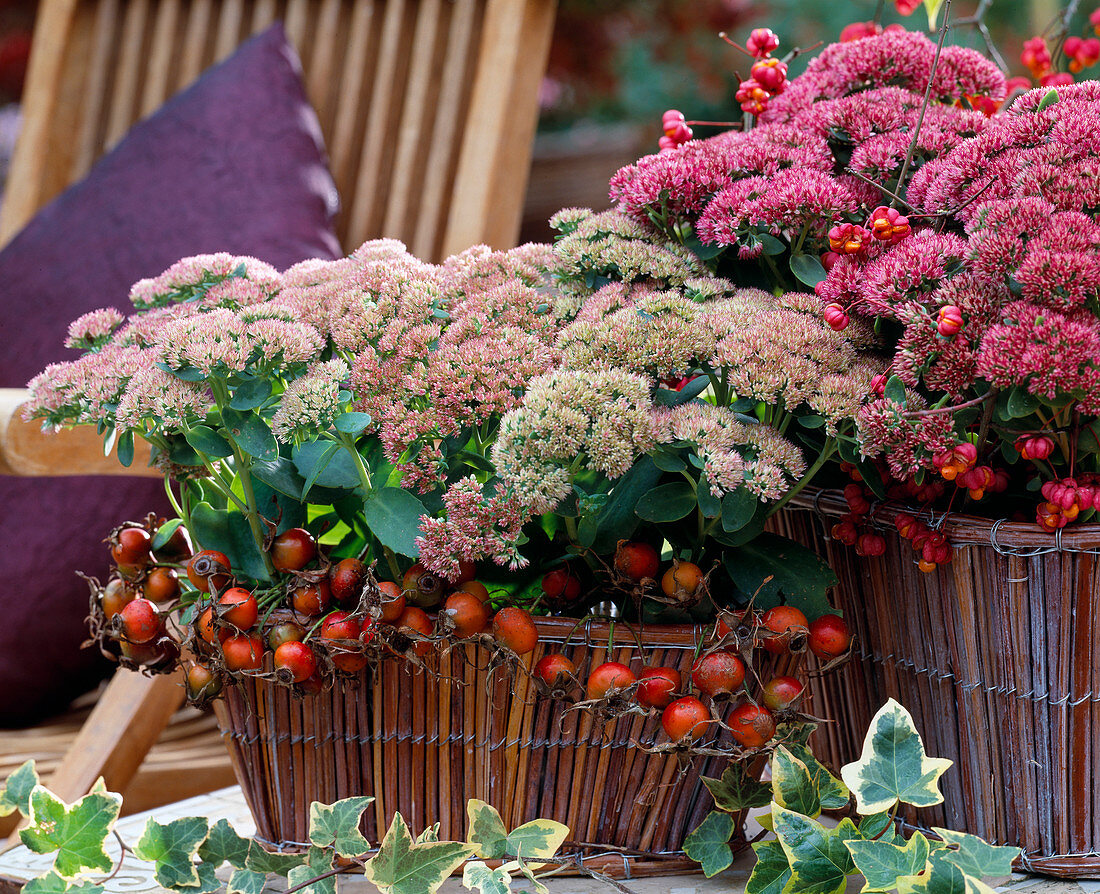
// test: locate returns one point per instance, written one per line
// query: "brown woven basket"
(997, 656)
(423, 743)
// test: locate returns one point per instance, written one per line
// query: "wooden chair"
(428, 108)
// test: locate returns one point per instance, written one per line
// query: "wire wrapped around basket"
(424, 742)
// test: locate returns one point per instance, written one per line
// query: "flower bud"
(761, 42)
(949, 321)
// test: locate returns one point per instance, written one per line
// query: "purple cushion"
(235, 163)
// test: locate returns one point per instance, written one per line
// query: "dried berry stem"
(927, 95)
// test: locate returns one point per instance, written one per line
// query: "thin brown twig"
(893, 195)
(927, 94)
(949, 408)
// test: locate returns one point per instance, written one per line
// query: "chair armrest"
(27, 451)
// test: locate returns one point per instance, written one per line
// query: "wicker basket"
(997, 656)
(424, 742)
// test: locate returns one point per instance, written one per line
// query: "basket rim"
(961, 529)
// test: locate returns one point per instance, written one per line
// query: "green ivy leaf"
(477, 876)
(245, 881)
(882, 863)
(820, 862)
(808, 269)
(975, 856)
(318, 861)
(666, 502)
(772, 870)
(76, 831)
(403, 867)
(337, 825)
(940, 876)
(709, 843)
(487, 832)
(16, 793)
(224, 845)
(737, 790)
(831, 792)
(893, 766)
(252, 434)
(208, 881)
(264, 861)
(205, 440)
(874, 826)
(537, 839)
(393, 515)
(792, 785)
(52, 883)
(172, 847)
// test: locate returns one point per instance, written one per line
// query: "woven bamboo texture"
(423, 743)
(997, 656)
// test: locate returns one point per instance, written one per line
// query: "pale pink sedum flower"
(311, 402)
(92, 330)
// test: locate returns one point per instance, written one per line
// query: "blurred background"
(616, 65)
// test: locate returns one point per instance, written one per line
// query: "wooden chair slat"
(161, 59)
(124, 92)
(89, 137)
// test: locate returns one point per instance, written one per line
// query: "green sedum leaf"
(819, 858)
(352, 423)
(737, 790)
(772, 870)
(709, 843)
(808, 269)
(393, 515)
(666, 502)
(403, 867)
(882, 863)
(76, 831)
(478, 877)
(16, 793)
(228, 531)
(975, 856)
(337, 825)
(251, 433)
(172, 847)
(893, 766)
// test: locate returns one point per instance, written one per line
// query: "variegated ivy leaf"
(792, 786)
(318, 862)
(709, 843)
(831, 792)
(477, 876)
(76, 831)
(819, 858)
(940, 876)
(245, 881)
(977, 857)
(537, 839)
(429, 834)
(52, 883)
(337, 825)
(16, 793)
(260, 860)
(224, 845)
(932, 7)
(402, 866)
(883, 863)
(893, 766)
(172, 848)
(772, 870)
(487, 832)
(513, 866)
